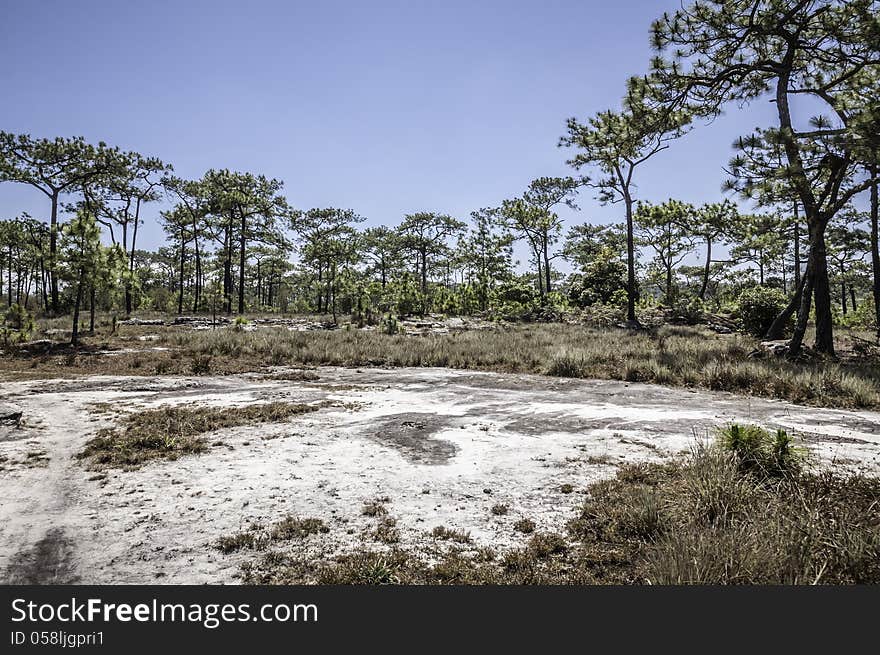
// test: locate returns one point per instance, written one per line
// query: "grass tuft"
(170, 432)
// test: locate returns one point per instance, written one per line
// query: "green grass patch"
(171, 432)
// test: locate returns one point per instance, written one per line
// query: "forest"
(807, 246)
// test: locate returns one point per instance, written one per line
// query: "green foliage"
(18, 324)
(690, 309)
(760, 451)
(667, 229)
(602, 280)
(390, 324)
(758, 307)
(863, 317)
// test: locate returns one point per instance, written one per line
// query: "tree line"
(230, 236)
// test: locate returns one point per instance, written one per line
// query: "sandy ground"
(443, 446)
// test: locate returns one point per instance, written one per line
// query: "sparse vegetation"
(449, 534)
(256, 537)
(375, 507)
(711, 517)
(386, 531)
(770, 290)
(524, 525)
(170, 432)
(669, 355)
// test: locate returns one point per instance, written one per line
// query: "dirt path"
(442, 446)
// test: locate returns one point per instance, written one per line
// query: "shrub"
(758, 307)
(689, 309)
(863, 317)
(201, 364)
(390, 324)
(458, 536)
(524, 525)
(757, 450)
(18, 324)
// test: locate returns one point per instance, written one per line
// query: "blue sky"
(384, 107)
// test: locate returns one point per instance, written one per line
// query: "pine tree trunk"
(74, 338)
(53, 253)
(241, 262)
(706, 269)
(227, 271)
(630, 264)
(800, 328)
(92, 309)
(546, 267)
(180, 281)
(875, 248)
(777, 328)
(822, 291)
(797, 248)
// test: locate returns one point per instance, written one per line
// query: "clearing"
(427, 447)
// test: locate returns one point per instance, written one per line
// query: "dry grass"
(711, 517)
(386, 531)
(170, 432)
(524, 525)
(449, 534)
(678, 356)
(256, 537)
(672, 356)
(375, 507)
(706, 521)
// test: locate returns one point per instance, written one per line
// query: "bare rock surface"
(430, 441)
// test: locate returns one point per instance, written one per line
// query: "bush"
(390, 324)
(758, 450)
(17, 325)
(689, 309)
(863, 317)
(758, 307)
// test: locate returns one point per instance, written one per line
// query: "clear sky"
(384, 107)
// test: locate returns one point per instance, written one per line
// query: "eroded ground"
(435, 447)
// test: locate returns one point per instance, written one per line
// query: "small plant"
(566, 488)
(500, 509)
(295, 528)
(688, 309)
(642, 516)
(201, 364)
(758, 450)
(545, 544)
(447, 534)
(390, 325)
(17, 325)
(163, 367)
(366, 568)
(258, 538)
(375, 507)
(524, 525)
(386, 532)
(236, 542)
